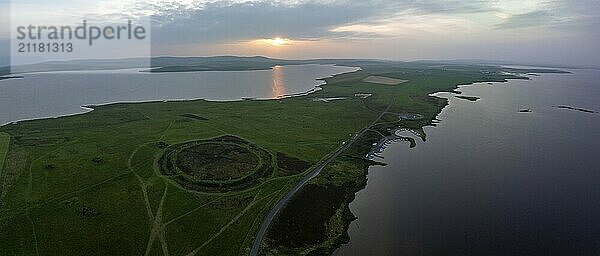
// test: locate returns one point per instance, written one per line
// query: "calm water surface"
(52, 94)
(490, 180)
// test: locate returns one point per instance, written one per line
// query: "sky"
(558, 32)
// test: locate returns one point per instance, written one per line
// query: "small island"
(10, 77)
(575, 109)
(469, 98)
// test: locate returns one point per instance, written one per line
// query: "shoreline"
(87, 108)
(386, 141)
(346, 215)
(326, 125)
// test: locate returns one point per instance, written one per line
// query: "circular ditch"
(217, 165)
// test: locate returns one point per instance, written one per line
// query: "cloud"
(252, 20)
(229, 21)
(564, 13)
(349, 27)
(211, 21)
(535, 18)
(409, 23)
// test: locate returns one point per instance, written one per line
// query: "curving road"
(269, 218)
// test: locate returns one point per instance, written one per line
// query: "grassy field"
(91, 184)
(4, 144)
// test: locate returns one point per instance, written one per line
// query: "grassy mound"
(221, 164)
(216, 161)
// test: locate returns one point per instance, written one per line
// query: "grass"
(216, 161)
(290, 231)
(221, 164)
(4, 144)
(291, 165)
(91, 184)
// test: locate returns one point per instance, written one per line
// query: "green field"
(92, 184)
(4, 144)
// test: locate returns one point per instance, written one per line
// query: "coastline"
(348, 215)
(88, 107)
(312, 129)
(358, 181)
(402, 171)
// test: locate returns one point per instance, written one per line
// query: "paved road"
(269, 218)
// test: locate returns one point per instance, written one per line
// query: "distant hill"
(184, 64)
(231, 63)
(504, 63)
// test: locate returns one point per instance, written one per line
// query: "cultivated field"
(383, 80)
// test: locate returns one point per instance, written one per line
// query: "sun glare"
(278, 41)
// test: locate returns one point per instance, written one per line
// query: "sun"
(273, 43)
(278, 41)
